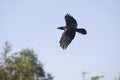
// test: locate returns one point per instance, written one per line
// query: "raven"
(69, 31)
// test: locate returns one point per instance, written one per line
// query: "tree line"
(24, 65)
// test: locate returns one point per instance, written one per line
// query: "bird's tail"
(82, 31)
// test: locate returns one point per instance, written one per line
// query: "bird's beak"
(58, 27)
(61, 28)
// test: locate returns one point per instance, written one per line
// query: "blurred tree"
(96, 77)
(118, 77)
(22, 65)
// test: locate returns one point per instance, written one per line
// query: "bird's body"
(69, 31)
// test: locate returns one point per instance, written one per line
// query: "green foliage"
(97, 77)
(22, 65)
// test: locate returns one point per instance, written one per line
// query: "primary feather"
(70, 21)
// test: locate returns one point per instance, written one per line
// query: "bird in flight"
(70, 30)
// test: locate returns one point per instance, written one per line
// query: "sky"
(33, 24)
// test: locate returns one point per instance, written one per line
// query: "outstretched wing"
(70, 21)
(66, 38)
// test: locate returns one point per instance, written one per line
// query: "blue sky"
(32, 24)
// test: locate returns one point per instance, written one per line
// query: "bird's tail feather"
(82, 31)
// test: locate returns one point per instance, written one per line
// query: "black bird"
(69, 31)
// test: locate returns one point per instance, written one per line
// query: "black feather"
(82, 31)
(70, 21)
(69, 31)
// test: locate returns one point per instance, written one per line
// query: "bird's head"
(61, 28)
